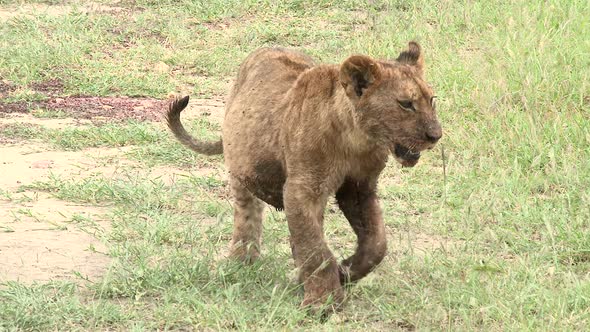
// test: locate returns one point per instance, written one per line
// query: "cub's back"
(253, 110)
(253, 119)
(265, 76)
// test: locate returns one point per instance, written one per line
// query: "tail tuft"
(182, 103)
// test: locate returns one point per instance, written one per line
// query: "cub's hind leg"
(247, 233)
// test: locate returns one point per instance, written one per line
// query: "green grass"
(508, 219)
(74, 138)
(49, 114)
(20, 131)
(150, 144)
(24, 94)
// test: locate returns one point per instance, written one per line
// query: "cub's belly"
(266, 182)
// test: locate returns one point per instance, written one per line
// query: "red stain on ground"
(83, 107)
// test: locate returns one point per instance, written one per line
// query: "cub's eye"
(407, 105)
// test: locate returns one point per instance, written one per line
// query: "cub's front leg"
(304, 207)
(360, 205)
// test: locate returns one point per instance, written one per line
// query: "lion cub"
(296, 133)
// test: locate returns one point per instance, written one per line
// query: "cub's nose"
(434, 133)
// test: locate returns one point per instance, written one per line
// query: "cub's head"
(393, 103)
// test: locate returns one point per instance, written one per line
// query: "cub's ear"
(357, 73)
(413, 56)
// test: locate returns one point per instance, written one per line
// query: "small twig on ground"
(444, 161)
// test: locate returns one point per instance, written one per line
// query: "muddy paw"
(246, 254)
(324, 306)
(344, 274)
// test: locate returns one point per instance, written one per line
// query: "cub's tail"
(173, 119)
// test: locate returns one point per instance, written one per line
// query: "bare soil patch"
(43, 238)
(24, 164)
(419, 244)
(39, 241)
(40, 238)
(26, 118)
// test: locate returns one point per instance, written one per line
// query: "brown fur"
(295, 134)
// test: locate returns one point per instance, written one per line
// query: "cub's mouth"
(405, 156)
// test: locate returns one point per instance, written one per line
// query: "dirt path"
(43, 238)
(47, 239)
